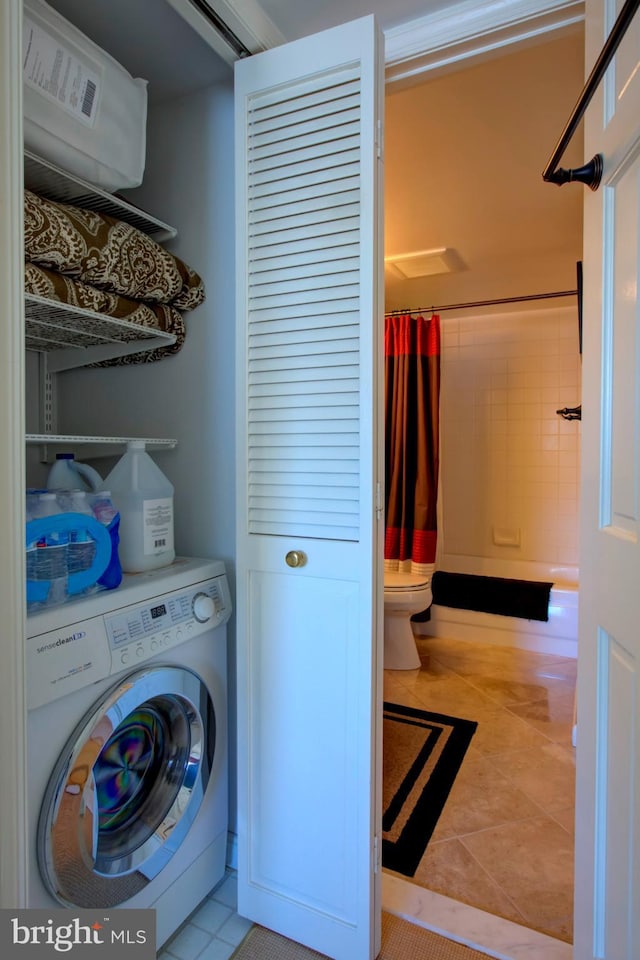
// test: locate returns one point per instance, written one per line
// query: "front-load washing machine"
(127, 745)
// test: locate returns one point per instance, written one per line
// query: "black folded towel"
(528, 599)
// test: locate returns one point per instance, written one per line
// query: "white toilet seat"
(397, 582)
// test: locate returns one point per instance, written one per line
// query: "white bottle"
(144, 498)
(68, 474)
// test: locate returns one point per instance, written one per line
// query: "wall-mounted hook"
(571, 413)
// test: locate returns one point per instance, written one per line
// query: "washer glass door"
(127, 787)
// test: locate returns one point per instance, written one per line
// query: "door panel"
(607, 924)
(309, 262)
(311, 622)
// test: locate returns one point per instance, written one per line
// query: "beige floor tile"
(394, 688)
(567, 819)
(516, 856)
(545, 773)
(513, 860)
(466, 653)
(449, 869)
(449, 694)
(482, 797)
(506, 691)
(561, 929)
(502, 666)
(500, 732)
(431, 669)
(552, 716)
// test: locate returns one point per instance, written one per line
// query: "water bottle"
(105, 512)
(32, 545)
(68, 474)
(144, 499)
(82, 546)
(51, 551)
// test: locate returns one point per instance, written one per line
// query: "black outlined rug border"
(404, 855)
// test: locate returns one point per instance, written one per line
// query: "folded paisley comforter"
(99, 263)
(107, 254)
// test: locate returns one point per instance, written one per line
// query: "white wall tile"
(507, 458)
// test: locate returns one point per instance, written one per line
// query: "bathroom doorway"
(464, 155)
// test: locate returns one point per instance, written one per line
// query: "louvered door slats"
(325, 251)
(284, 352)
(265, 393)
(314, 91)
(265, 403)
(296, 334)
(293, 270)
(303, 348)
(299, 164)
(300, 239)
(337, 173)
(309, 192)
(314, 202)
(320, 129)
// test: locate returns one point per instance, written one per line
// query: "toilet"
(404, 595)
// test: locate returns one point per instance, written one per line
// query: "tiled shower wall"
(509, 464)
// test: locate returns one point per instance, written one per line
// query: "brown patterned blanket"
(97, 262)
(106, 253)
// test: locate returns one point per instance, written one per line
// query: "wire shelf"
(69, 441)
(52, 182)
(75, 337)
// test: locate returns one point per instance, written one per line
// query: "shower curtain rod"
(485, 303)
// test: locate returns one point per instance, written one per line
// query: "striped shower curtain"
(412, 407)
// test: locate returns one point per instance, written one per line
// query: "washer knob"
(203, 607)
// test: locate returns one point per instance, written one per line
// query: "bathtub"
(558, 635)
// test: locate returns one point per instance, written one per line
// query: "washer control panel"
(143, 630)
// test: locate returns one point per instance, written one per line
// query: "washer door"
(127, 787)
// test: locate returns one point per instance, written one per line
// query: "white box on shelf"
(82, 109)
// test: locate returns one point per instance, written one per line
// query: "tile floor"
(504, 842)
(213, 931)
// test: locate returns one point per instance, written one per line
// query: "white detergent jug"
(68, 474)
(144, 499)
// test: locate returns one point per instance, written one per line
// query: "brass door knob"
(296, 558)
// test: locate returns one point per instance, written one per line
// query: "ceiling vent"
(423, 263)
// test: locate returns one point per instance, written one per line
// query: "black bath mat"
(527, 599)
(422, 753)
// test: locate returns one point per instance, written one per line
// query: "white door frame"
(13, 847)
(468, 29)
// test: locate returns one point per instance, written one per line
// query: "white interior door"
(309, 607)
(607, 921)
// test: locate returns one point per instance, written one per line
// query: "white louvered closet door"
(309, 606)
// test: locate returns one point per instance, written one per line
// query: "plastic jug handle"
(92, 476)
